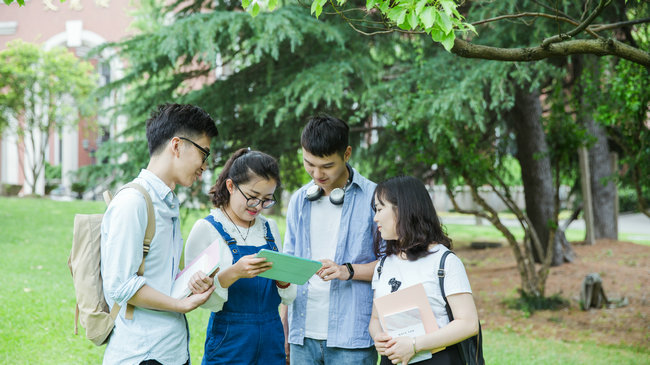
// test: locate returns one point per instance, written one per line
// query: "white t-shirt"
(399, 274)
(324, 226)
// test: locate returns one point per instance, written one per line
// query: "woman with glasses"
(244, 326)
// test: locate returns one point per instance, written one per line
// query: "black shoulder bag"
(470, 349)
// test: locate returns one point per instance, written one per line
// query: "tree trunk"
(603, 188)
(532, 154)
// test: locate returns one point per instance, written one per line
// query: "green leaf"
(448, 41)
(413, 20)
(371, 3)
(316, 8)
(427, 17)
(445, 23)
(273, 4)
(420, 6)
(397, 15)
(384, 7)
(245, 3)
(437, 34)
(471, 27)
(449, 6)
(255, 10)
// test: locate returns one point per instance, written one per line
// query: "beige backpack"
(84, 262)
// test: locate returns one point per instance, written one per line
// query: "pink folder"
(405, 299)
(207, 261)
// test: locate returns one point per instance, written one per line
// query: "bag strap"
(146, 243)
(380, 266)
(441, 280)
(478, 356)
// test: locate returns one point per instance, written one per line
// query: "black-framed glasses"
(252, 202)
(205, 152)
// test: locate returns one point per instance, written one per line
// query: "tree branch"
(601, 27)
(529, 14)
(599, 47)
(564, 36)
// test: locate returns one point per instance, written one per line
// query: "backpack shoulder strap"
(146, 243)
(380, 266)
(151, 221)
(441, 280)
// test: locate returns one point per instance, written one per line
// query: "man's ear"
(174, 145)
(347, 154)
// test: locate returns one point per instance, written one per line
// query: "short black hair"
(182, 120)
(241, 167)
(325, 135)
(417, 223)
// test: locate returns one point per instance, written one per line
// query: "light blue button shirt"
(350, 301)
(151, 334)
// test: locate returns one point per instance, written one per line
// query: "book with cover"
(407, 323)
(207, 261)
(288, 268)
(404, 311)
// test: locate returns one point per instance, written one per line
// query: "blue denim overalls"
(248, 329)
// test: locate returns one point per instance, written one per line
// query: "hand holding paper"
(330, 271)
(381, 342)
(250, 266)
(288, 268)
(200, 282)
(401, 348)
(206, 263)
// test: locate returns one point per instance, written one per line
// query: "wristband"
(350, 270)
(282, 286)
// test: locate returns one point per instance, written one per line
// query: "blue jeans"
(317, 352)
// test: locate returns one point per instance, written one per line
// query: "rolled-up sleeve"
(123, 228)
(201, 236)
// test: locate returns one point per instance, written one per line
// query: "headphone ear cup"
(337, 196)
(314, 192)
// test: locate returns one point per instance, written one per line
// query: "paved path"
(627, 223)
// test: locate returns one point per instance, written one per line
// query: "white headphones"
(336, 196)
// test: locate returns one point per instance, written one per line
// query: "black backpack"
(470, 349)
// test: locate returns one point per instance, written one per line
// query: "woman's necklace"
(237, 228)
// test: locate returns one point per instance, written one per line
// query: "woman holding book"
(414, 243)
(244, 326)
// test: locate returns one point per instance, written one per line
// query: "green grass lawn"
(38, 302)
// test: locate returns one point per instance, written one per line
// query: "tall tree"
(40, 92)
(259, 77)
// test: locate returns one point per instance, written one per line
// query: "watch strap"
(350, 270)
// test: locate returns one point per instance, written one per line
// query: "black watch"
(350, 269)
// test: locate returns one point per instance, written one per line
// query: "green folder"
(288, 268)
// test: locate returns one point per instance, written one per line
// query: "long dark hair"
(417, 223)
(241, 167)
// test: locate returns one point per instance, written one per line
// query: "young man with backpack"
(151, 327)
(330, 219)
